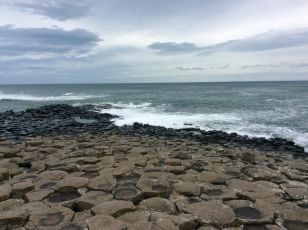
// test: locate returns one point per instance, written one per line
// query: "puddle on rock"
(247, 213)
(59, 197)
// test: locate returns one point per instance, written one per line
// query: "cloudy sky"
(89, 41)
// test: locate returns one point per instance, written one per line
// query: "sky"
(129, 41)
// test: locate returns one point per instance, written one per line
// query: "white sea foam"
(147, 114)
(144, 113)
(63, 97)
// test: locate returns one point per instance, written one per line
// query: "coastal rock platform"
(87, 178)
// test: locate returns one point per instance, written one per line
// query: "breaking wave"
(146, 113)
(63, 97)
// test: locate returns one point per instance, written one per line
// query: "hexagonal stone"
(52, 218)
(103, 182)
(261, 172)
(187, 188)
(254, 190)
(173, 162)
(10, 204)
(5, 192)
(73, 226)
(175, 169)
(34, 143)
(217, 192)
(134, 217)
(53, 175)
(101, 222)
(67, 167)
(13, 218)
(9, 152)
(37, 195)
(19, 189)
(208, 176)
(181, 221)
(114, 208)
(154, 184)
(71, 184)
(164, 224)
(158, 204)
(82, 217)
(4, 174)
(296, 190)
(90, 199)
(212, 212)
(262, 212)
(127, 193)
(293, 217)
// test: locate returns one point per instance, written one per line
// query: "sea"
(256, 109)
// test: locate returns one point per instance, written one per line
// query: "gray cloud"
(181, 68)
(57, 9)
(174, 48)
(262, 42)
(217, 67)
(267, 41)
(16, 42)
(277, 65)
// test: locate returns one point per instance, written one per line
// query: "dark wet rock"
(198, 166)
(46, 184)
(61, 119)
(247, 213)
(60, 197)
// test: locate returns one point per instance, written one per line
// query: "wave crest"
(63, 97)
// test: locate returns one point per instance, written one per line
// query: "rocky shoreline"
(53, 120)
(64, 167)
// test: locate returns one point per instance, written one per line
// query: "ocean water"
(262, 109)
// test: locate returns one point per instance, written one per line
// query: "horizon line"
(175, 82)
